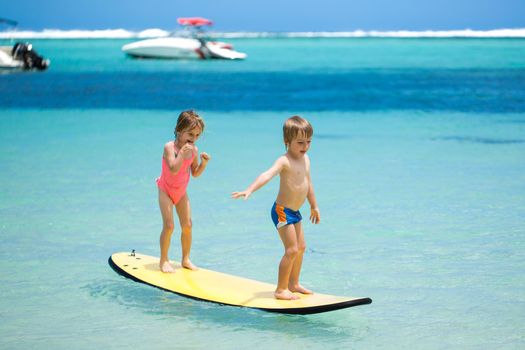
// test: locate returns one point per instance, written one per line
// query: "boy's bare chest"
(296, 175)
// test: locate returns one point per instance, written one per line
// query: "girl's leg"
(184, 212)
(166, 210)
(289, 239)
(293, 284)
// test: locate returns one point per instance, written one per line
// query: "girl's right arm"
(174, 162)
(262, 179)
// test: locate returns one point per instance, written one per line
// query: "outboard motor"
(31, 59)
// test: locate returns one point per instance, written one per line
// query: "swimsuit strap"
(183, 160)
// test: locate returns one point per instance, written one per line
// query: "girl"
(178, 161)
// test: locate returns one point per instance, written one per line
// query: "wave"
(83, 34)
(156, 32)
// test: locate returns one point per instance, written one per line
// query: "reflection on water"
(168, 305)
(483, 140)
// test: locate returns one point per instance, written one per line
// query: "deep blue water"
(464, 90)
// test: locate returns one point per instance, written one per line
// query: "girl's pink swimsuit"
(174, 185)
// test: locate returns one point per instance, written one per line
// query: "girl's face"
(189, 136)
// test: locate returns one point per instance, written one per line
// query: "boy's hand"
(205, 157)
(315, 215)
(244, 194)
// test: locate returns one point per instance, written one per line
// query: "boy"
(295, 186)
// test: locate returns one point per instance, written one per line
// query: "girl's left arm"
(196, 168)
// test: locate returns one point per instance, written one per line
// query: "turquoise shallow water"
(422, 210)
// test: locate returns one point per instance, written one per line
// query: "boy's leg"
(166, 210)
(293, 284)
(289, 239)
(184, 212)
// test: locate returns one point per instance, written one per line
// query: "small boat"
(189, 44)
(20, 56)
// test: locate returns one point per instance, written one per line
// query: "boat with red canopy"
(192, 43)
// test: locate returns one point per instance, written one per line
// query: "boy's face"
(189, 136)
(299, 146)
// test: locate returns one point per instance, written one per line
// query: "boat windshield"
(189, 32)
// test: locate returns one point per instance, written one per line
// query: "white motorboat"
(20, 56)
(189, 44)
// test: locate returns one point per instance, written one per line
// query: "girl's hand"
(186, 151)
(315, 215)
(205, 157)
(244, 194)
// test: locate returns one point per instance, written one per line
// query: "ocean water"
(418, 163)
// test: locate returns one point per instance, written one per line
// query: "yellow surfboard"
(222, 288)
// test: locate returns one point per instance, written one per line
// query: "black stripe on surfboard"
(295, 311)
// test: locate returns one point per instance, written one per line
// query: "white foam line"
(156, 32)
(82, 34)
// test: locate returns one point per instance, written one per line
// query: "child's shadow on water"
(169, 305)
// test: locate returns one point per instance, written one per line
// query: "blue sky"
(269, 15)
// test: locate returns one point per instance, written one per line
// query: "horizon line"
(157, 32)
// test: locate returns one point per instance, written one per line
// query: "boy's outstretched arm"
(315, 214)
(261, 180)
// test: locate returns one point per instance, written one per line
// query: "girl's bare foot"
(300, 289)
(285, 295)
(166, 267)
(187, 264)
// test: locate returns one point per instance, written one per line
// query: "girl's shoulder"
(169, 144)
(169, 147)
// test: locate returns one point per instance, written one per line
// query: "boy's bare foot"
(300, 289)
(166, 267)
(187, 264)
(285, 295)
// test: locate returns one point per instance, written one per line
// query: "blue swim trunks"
(282, 216)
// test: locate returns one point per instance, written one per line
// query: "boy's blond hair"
(294, 127)
(188, 120)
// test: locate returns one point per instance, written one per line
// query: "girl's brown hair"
(188, 120)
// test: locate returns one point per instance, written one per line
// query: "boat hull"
(180, 48)
(7, 62)
(183, 48)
